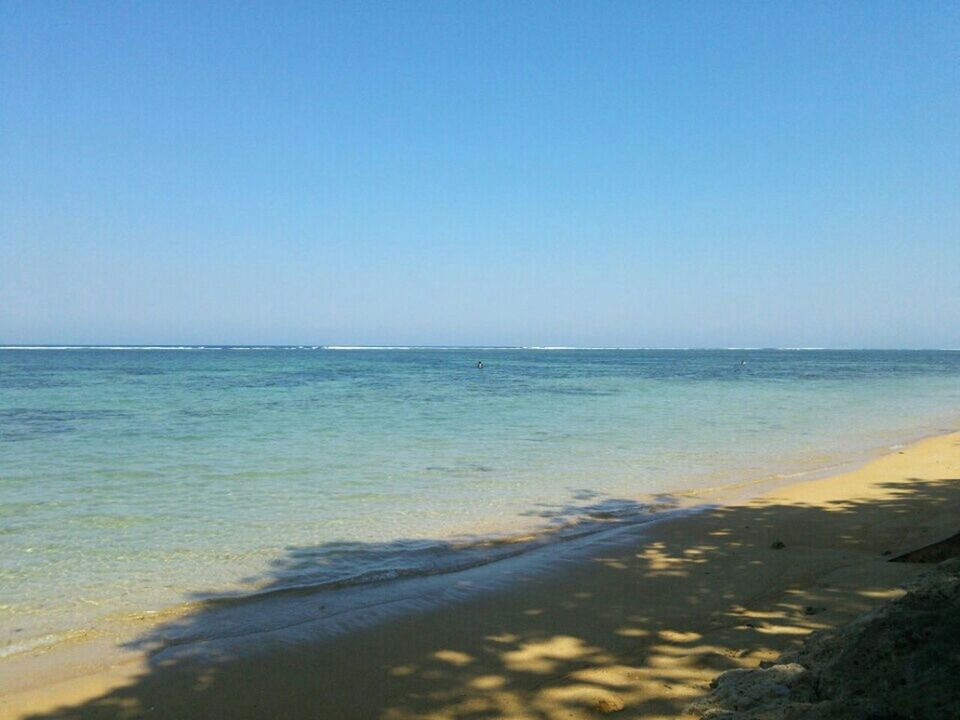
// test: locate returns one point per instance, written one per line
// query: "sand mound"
(899, 662)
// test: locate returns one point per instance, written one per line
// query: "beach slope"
(638, 628)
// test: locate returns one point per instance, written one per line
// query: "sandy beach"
(479, 361)
(638, 628)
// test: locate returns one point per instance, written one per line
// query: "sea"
(134, 479)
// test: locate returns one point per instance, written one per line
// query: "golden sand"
(643, 628)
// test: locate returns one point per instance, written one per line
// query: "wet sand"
(642, 622)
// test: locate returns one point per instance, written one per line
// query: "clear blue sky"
(579, 173)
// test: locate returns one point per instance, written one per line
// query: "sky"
(653, 174)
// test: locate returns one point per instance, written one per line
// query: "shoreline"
(591, 523)
(470, 604)
(259, 473)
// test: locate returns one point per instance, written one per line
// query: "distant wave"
(472, 348)
(161, 347)
(423, 347)
(105, 347)
(376, 347)
(481, 348)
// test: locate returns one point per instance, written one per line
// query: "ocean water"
(138, 478)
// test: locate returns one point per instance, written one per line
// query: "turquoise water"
(138, 478)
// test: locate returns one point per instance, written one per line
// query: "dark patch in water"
(26, 423)
(578, 391)
(33, 382)
(454, 470)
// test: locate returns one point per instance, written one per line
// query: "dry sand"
(638, 629)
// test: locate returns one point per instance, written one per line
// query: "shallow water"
(137, 478)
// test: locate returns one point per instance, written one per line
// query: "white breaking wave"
(106, 347)
(474, 348)
(161, 347)
(374, 347)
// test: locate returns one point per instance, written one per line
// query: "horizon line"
(294, 346)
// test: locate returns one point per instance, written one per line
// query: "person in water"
(479, 364)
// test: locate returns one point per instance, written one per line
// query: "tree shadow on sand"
(642, 619)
